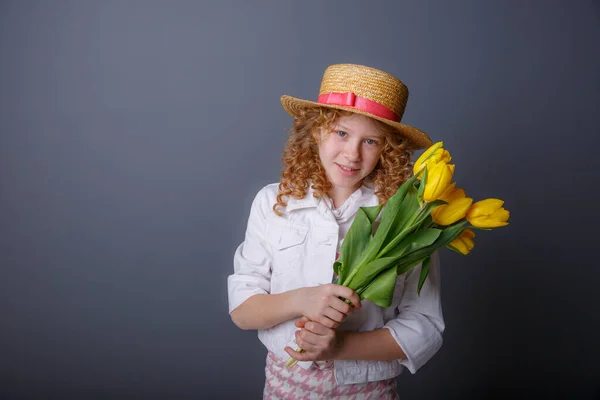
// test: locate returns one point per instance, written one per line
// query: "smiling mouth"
(347, 168)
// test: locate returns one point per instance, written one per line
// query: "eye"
(371, 142)
(342, 134)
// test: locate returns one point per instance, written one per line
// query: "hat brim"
(417, 138)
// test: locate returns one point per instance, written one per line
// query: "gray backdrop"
(134, 135)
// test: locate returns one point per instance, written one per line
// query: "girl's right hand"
(323, 304)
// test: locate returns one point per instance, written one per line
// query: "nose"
(352, 151)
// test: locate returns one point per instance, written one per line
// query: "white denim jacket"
(298, 250)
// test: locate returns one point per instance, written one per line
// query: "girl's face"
(349, 151)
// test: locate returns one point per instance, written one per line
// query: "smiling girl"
(346, 150)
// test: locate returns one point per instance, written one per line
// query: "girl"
(345, 151)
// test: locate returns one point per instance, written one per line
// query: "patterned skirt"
(318, 383)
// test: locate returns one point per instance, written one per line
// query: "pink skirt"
(318, 383)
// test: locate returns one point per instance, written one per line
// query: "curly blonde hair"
(302, 167)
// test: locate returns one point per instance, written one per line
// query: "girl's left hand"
(318, 342)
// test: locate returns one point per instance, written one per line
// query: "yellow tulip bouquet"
(426, 213)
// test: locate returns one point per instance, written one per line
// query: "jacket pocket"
(287, 241)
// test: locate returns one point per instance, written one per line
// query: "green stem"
(292, 361)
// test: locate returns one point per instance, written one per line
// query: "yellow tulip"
(464, 243)
(438, 179)
(451, 187)
(434, 154)
(425, 156)
(456, 209)
(488, 213)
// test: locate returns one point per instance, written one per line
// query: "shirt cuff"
(416, 356)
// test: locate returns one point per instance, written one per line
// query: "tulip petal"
(456, 194)
(501, 215)
(485, 207)
(438, 180)
(448, 214)
(468, 233)
(486, 222)
(420, 163)
(464, 243)
(448, 192)
(460, 246)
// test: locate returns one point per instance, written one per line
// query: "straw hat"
(366, 91)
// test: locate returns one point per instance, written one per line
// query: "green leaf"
(424, 273)
(389, 216)
(422, 184)
(366, 272)
(357, 239)
(454, 249)
(404, 224)
(481, 229)
(407, 264)
(427, 222)
(414, 224)
(425, 236)
(416, 240)
(452, 232)
(408, 208)
(337, 266)
(426, 212)
(446, 236)
(381, 289)
(390, 212)
(372, 212)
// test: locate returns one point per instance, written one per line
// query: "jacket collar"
(306, 202)
(309, 200)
